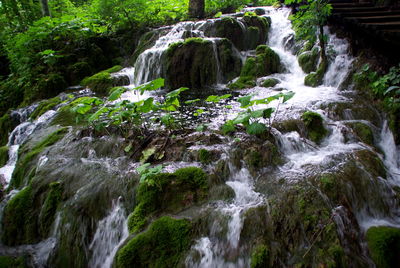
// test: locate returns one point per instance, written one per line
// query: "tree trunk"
(45, 8)
(196, 9)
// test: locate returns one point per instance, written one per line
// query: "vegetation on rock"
(3, 155)
(384, 244)
(314, 123)
(162, 245)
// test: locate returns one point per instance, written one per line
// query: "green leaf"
(128, 148)
(228, 127)
(242, 118)
(151, 86)
(176, 92)
(256, 128)
(390, 89)
(192, 101)
(146, 154)
(245, 101)
(287, 96)
(116, 93)
(82, 108)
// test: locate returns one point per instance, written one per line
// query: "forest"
(199, 133)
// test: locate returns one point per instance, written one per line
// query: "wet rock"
(230, 28)
(45, 106)
(162, 245)
(103, 81)
(315, 79)
(270, 82)
(315, 128)
(120, 80)
(170, 192)
(363, 132)
(384, 245)
(265, 62)
(3, 155)
(194, 63)
(262, 23)
(308, 60)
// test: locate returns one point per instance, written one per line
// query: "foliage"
(102, 114)
(3, 155)
(256, 121)
(162, 245)
(225, 6)
(259, 257)
(384, 243)
(147, 173)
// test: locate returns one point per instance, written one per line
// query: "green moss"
(6, 126)
(327, 183)
(204, 156)
(308, 61)
(17, 218)
(99, 83)
(259, 257)
(64, 117)
(3, 155)
(114, 69)
(45, 106)
(315, 79)
(363, 132)
(12, 262)
(271, 82)
(26, 165)
(384, 246)
(162, 245)
(243, 82)
(171, 192)
(314, 126)
(49, 208)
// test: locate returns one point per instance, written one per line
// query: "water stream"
(221, 244)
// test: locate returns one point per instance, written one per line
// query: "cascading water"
(110, 234)
(220, 243)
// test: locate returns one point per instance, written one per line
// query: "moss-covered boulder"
(265, 62)
(315, 128)
(194, 63)
(7, 124)
(308, 60)
(101, 82)
(169, 192)
(49, 208)
(270, 82)
(162, 245)
(315, 79)
(384, 246)
(27, 158)
(3, 155)
(230, 28)
(45, 106)
(259, 257)
(261, 23)
(363, 132)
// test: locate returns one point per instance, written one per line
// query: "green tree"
(309, 22)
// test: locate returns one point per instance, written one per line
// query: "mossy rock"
(26, 164)
(192, 63)
(13, 262)
(49, 208)
(45, 106)
(315, 128)
(162, 245)
(259, 257)
(3, 155)
(204, 156)
(384, 246)
(270, 82)
(171, 192)
(6, 126)
(19, 225)
(363, 132)
(101, 82)
(308, 60)
(229, 27)
(265, 62)
(78, 71)
(315, 79)
(262, 23)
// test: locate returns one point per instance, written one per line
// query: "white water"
(17, 137)
(110, 234)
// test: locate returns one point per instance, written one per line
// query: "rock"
(259, 257)
(384, 245)
(7, 124)
(314, 124)
(162, 245)
(315, 79)
(270, 82)
(193, 63)
(363, 132)
(45, 106)
(230, 28)
(103, 81)
(259, 11)
(308, 60)
(262, 23)
(265, 62)
(3, 155)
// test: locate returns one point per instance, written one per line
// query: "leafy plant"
(256, 121)
(147, 173)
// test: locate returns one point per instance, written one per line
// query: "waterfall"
(110, 234)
